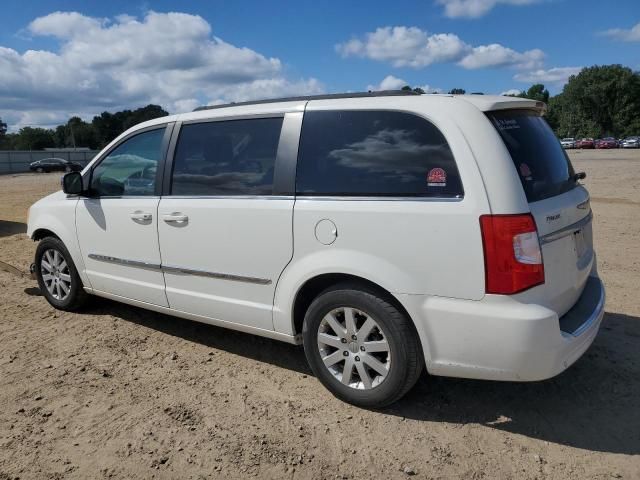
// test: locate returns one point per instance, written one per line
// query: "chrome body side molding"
(124, 261)
(177, 269)
(222, 276)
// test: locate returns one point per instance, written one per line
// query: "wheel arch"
(41, 233)
(43, 224)
(314, 286)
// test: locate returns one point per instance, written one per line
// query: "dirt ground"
(120, 392)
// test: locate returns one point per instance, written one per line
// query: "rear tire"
(58, 277)
(371, 361)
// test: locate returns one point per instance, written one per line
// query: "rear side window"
(374, 153)
(235, 157)
(542, 164)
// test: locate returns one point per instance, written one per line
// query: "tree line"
(76, 132)
(600, 101)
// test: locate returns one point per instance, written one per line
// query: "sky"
(65, 58)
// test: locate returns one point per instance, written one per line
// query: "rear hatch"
(558, 203)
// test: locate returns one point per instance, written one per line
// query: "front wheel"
(361, 347)
(57, 276)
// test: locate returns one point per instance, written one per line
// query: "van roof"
(329, 96)
(483, 103)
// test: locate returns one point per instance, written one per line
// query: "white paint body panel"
(242, 237)
(105, 227)
(427, 253)
(56, 213)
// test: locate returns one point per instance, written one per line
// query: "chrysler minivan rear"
(543, 300)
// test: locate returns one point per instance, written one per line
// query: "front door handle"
(139, 216)
(175, 217)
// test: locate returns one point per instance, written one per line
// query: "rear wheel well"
(41, 233)
(315, 286)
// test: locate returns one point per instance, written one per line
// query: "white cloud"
(171, 59)
(558, 75)
(511, 92)
(412, 47)
(495, 55)
(626, 35)
(476, 8)
(393, 83)
(388, 83)
(405, 47)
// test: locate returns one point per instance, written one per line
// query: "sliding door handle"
(175, 218)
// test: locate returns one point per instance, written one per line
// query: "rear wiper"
(579, 176)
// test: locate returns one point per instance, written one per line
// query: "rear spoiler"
(488, 103)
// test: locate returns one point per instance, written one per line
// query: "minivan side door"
(117, 223)
(225, 223)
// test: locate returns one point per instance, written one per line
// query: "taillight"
(512, 256)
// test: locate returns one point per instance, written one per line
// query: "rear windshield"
(542, 164)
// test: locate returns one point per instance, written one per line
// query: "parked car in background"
(631, 142)
(607, 142)
(386, 233)
(586, 143)
(568, 142)
(54, 165)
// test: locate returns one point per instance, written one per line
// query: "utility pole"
(73, 138)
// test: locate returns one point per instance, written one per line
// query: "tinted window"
(235, 157)
(130, 169)
(542, 164)
(374, 153)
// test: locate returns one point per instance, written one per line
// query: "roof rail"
(329, 96)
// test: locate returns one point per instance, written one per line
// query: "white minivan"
(385, 231)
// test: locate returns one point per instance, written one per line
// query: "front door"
(225, 238)
(117, 224)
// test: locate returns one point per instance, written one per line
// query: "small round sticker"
(437, 177)
(525, 171)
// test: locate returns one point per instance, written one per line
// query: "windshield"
(542, 164)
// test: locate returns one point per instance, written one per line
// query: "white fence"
(17, 161)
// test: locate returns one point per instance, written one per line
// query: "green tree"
(143, 114)
(3, 128)
(600, 101)
(407, 88)
(30, 138)
(108, 126)
(536, 92)
(457, 91)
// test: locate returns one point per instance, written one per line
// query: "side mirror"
(72, 183)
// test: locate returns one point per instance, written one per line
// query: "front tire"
(58, 277)
(361, 347)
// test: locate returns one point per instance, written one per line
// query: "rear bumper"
(499, 338)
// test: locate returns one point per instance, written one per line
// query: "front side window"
(233, 157)
(131, 168)
(374, 153)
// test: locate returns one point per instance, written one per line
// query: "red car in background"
(585, 143)
(608, 142)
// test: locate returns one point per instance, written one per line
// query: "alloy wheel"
(55, 274)
(353, 348)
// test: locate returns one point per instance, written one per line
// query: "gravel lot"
(120, 392)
